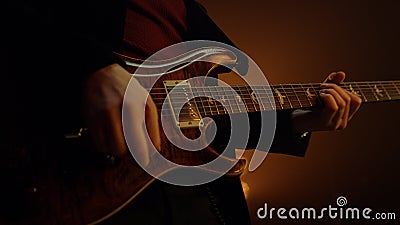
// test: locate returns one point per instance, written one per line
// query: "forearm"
(287, 139)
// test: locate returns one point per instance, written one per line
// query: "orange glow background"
(303, 41)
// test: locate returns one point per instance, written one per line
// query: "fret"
(278, 98)
(201, 100)
(270, 99)
(253, 99)
(210, 100)
(365, 93)
(225, 101)
(214, 104)
(201, 106)
(267, 98)
(206, 103)
(231, 97)
(240, 99)
(263, 98)
(314, 90)
(315, 93)
(301, 92)
(350, 88)
(376, 98)
(369, 93)
(246, 98)
(377, 92)
(306, 95)
(300, 96)
(361, 92)
(311, 94)
(286, 96)
(391, 91)
(397, 89)
(234, 99)
(240, 102)
(221, 100)
(221, 106)
(296, 103)
(385, 91)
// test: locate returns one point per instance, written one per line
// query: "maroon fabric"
(151, 25)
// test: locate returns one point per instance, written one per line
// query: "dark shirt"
(153, 25)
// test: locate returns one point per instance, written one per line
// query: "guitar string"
(292, 94)
(292, 91)
(254, 107)
(233, 95)
(216, 107)
(245, 107)
(296, 89)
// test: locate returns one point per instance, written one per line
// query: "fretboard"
(238, 99)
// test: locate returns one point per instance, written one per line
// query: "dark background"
(303, 41)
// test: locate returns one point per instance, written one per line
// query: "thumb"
(335, 77)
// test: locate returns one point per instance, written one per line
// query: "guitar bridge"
(182, 104)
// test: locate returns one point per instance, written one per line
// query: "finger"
(136, 104)
(335, 77)
(135, 133)
(345, 96)
(152, 124)
(115, 137)
(330, 109)
(337, 104)
(355, 104)
(150, 112)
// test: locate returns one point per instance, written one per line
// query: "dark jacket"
(52, 46)
(73, 38)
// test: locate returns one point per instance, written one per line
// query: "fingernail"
(324, 85)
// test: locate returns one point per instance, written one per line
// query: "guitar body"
(101, 185)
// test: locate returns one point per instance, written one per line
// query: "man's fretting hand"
(339, 107)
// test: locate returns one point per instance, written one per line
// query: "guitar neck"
(238, 99)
